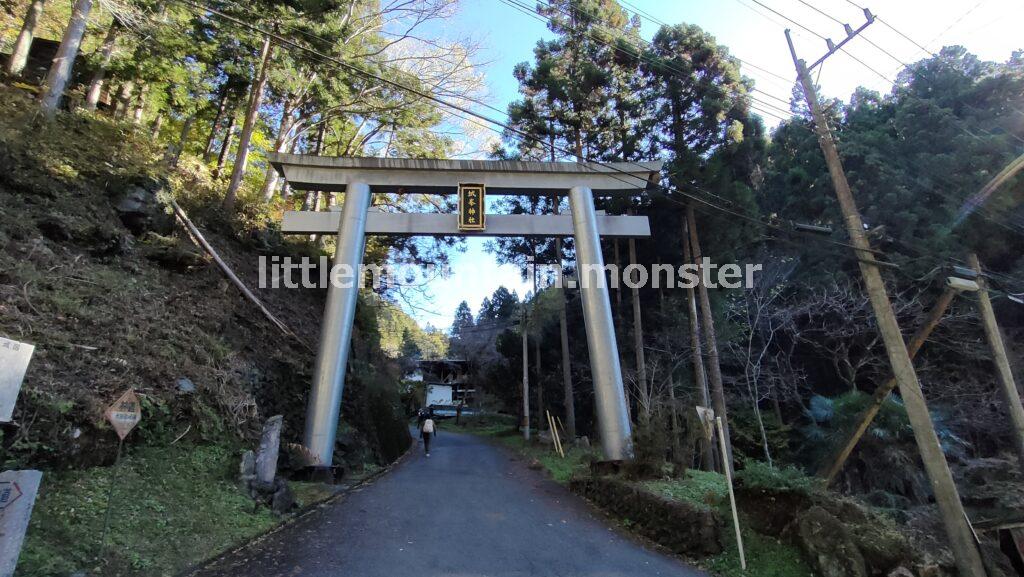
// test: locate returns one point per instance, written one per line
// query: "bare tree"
(755, 313)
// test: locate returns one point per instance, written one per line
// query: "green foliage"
(576, 461)
(171, 507)
(401, 336)
(766, 555)
(702, 488)
(746, 436)
(913, 157)
(758, 475)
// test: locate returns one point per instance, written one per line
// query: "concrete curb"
(299, 515)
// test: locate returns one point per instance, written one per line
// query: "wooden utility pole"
(995, 340)
(834, 465)
(710, 340)
(696, 356)
(958, 530)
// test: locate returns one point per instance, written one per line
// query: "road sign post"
(123, 415)
(710, 424)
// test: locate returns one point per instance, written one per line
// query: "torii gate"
(359, 178)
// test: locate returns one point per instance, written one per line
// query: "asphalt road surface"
(470, 510)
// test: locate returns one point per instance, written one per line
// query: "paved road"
(470, 510)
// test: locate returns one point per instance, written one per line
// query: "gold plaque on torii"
(471, 206)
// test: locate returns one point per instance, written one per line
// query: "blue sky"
(753, 33)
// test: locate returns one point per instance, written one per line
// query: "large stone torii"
(359, 178)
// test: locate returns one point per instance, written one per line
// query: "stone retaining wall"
(682, 527)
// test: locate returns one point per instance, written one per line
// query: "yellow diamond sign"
(125, 413)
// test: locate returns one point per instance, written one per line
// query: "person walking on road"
(426, 432)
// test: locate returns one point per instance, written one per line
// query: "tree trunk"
(563, 330)
(19, 53)
(222, 106)
(711, 341)
(618, 287)
(186, 128)
(697, 356)
(538, 387)
(140, 104)
(60, 71)
(92, 98)
(222, 157)
(677, 445)
(318, 148)
(255, 100)
(638, 344)
(124, 97)
(286, 189)
(158, 123)
(525, 423)
(280, 145)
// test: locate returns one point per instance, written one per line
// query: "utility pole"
(526, 378)
(833, 467)
(995, 340)
(958, 530)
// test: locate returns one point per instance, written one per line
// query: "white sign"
(17, 496)
(440, 395)
(707, 421)
(14, 358)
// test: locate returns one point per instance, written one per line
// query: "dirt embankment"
(97, 275)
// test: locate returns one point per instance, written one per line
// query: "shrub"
(758, 475)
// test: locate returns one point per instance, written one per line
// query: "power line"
(958, 20)
(643, 14)
(787, 18)
(778, 112)
(510, 130)
(1010, 227)
(822, 12)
